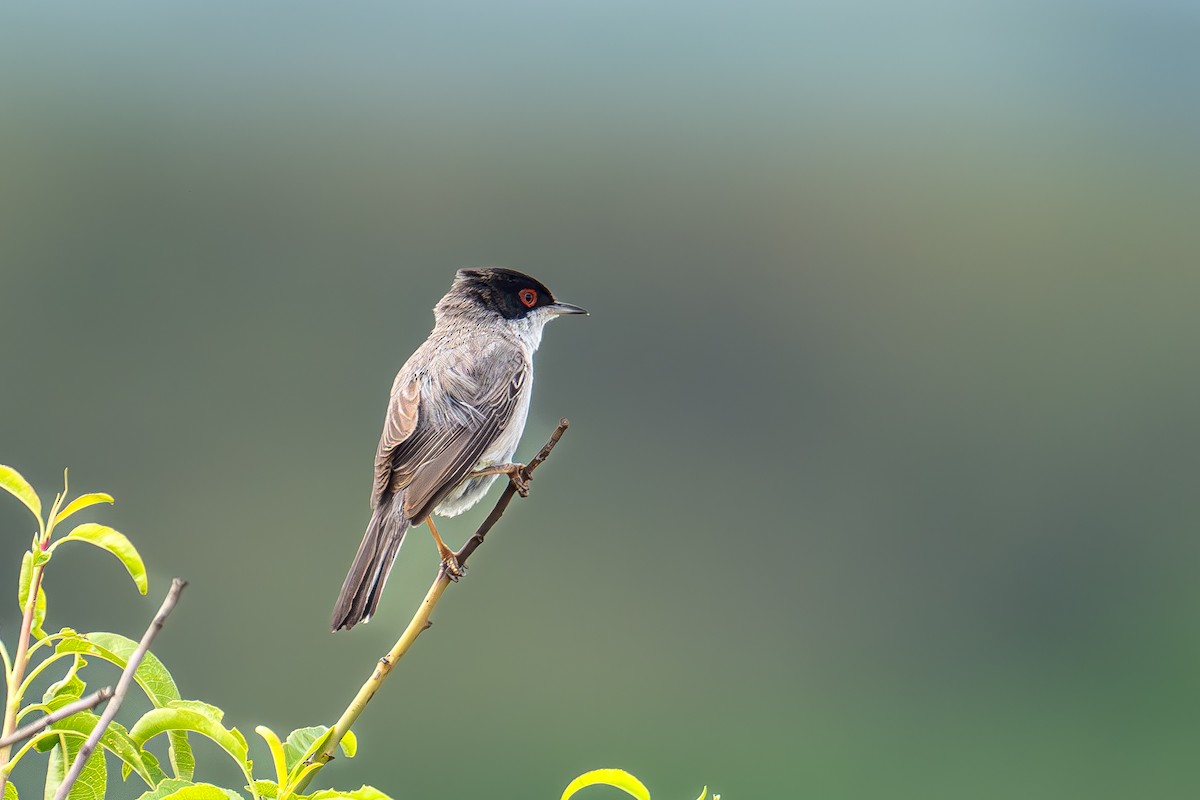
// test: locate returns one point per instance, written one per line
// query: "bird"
(454, 418)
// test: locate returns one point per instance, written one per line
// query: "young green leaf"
(7, 659)
(151, 675)
(151, 762)
(39, 606)
(304, 743)
(165, 788)
(161, 720)
(277, 755)
(115, 739)
(180, 789)
(82, 502)
(57, 766)
(67, 690)
(114, 542)
(39, 615)
(267, 790)
(10, 792)
(203, 791)
(618, 778)
(200, 707)
(183, 762)
(19, 488)
(361, 793)
(92, 780)
(25, 581)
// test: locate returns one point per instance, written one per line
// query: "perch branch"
(420, 620)
(91, 701)
(126, 679)
(509, 492)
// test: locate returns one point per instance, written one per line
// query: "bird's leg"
(450, 564)
(513, 471)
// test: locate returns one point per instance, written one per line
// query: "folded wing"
(427, 451)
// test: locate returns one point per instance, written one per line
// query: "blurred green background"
(882, 480)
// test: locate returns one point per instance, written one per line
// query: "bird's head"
(512, 296)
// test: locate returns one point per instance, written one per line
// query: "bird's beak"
(565, 308)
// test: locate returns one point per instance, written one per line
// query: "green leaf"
(115, 739)
(618, 778)
(151, 762)
(114, 542)
(82, 502)
(349, 744)
(165, 788)
(161, 720)
(361, 793)
(151, 675)
(25, 581)
(6, 659)
(304, 743)
(183, 762)
(267, 790)
(67, 690)
(39, 615)
(56, 769)
(203, 791)
(10, 792)
(301, 743)
(200, 707)
(277, 755)
(180, 789)
(93, 778)
(19, 488)
(39, 605)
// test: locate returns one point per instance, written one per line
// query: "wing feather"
(425, 451)
(398, 426)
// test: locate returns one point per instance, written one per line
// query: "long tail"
(364, 583)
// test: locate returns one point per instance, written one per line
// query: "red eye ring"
(527, 297)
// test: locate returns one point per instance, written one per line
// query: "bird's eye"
(528, 297)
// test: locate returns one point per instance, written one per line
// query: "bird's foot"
(451, 568)
(518, 479)
(515, 473)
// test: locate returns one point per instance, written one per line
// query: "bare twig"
(420, 620)
(509, 491)
(126, 679)
(91, 701)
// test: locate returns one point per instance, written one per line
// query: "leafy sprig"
(171, 717)
(68, 721)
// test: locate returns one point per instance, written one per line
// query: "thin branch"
(91, 701)
(13, 702)
(509, 491)
(126, 679)
(420, 620)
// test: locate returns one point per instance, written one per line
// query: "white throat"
(528, 329)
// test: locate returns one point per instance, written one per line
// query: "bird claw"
(519, 482)
(452, 569)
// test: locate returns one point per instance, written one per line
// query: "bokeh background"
(882, 480)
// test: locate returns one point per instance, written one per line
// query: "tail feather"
(364, 583)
